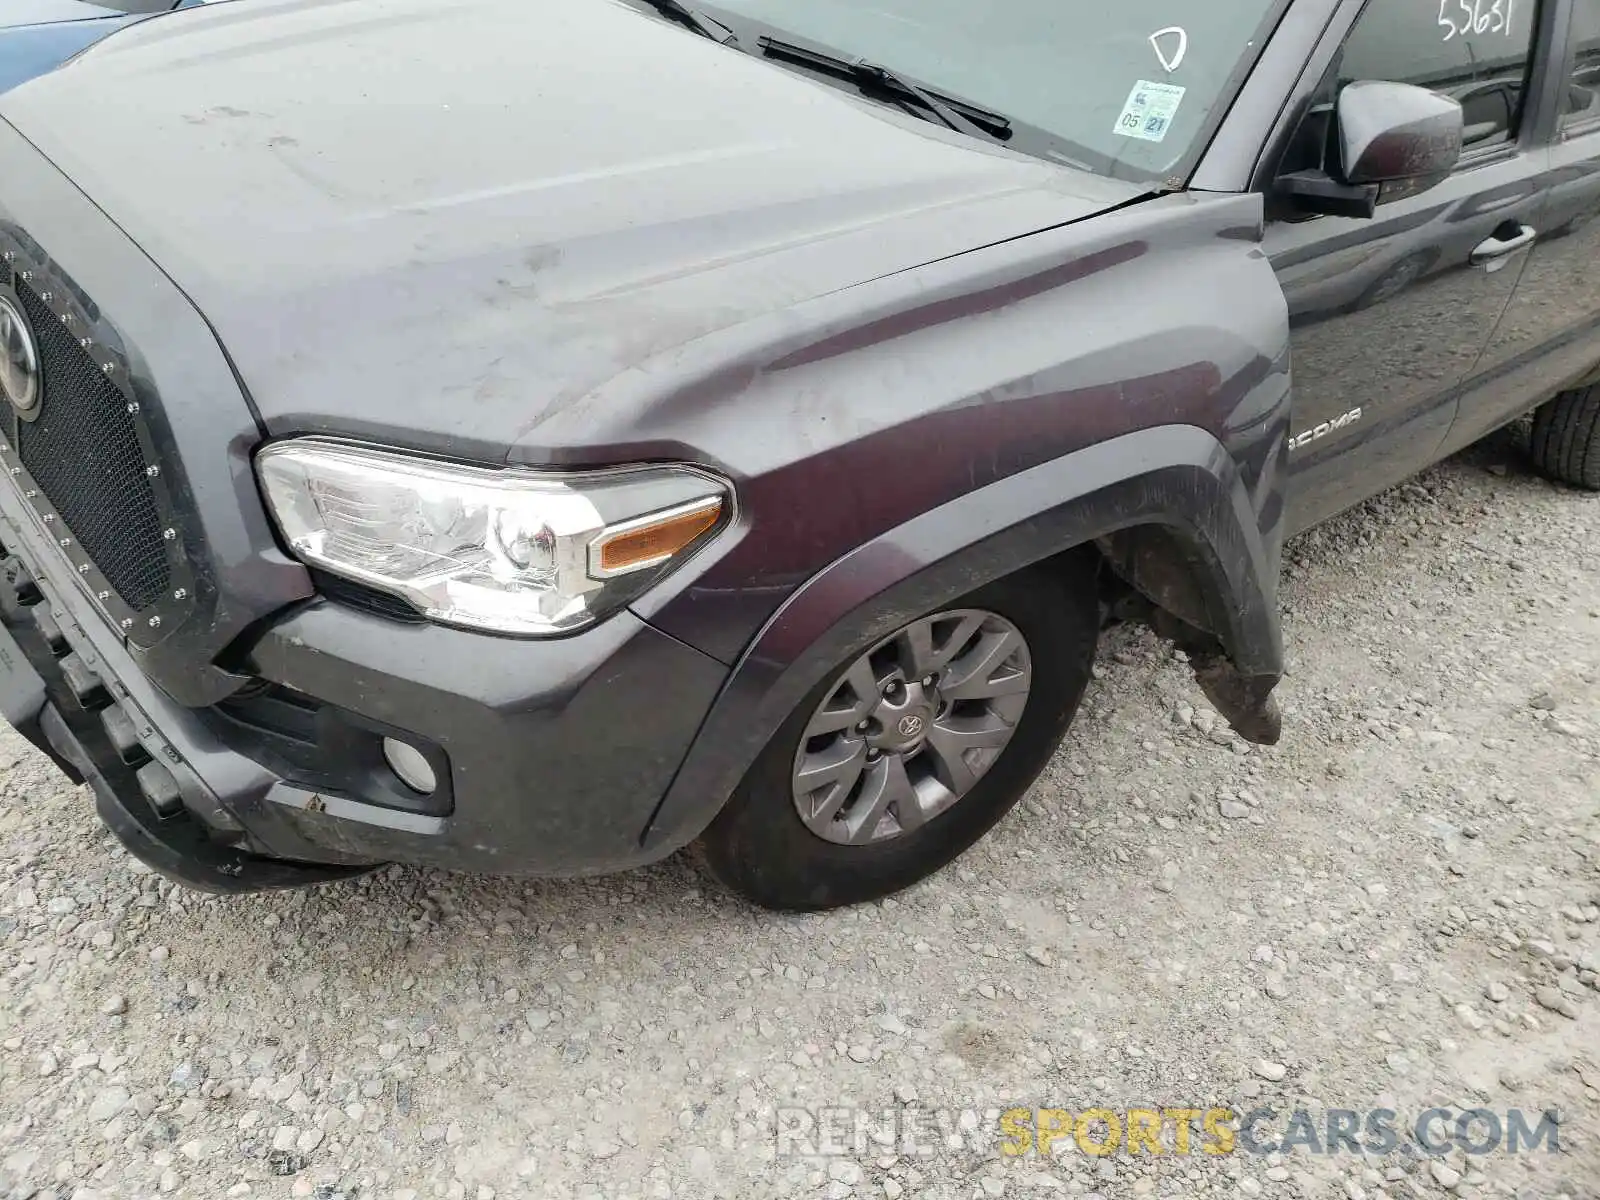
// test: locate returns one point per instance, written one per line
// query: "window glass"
(1475, 51)
(1121, 89)
(1582, 99)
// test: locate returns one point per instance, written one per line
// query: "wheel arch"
(1172, 485)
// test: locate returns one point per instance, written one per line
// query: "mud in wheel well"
(1155, 575)
(1169, 572)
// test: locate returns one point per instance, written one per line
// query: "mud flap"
(1246, 701)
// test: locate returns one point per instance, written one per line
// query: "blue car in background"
(39, 35)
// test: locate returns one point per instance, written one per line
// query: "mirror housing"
(1389, 141)
(1397, 133)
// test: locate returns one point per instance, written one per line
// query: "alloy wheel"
(911, 726)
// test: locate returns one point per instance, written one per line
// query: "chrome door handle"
(1493, 248)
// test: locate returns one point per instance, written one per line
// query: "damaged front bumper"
(555, 753)
(64, 695)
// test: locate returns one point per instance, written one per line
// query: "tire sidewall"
(759, 845)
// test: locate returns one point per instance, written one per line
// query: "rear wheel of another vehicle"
(1566, 438)
(912, 749)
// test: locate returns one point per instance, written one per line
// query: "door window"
(1439, 48)
(1581, 102)
(1475, 51)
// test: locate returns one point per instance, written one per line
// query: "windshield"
(41, 12)
(139, 6)
(1123, 90)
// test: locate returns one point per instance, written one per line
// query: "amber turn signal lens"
(652, 540)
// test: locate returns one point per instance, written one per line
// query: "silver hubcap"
(911, 726)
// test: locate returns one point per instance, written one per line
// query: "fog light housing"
(410, 764)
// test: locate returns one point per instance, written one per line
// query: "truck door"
(1389, 314)
(1549, 336)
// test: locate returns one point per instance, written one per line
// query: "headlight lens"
(508, 550)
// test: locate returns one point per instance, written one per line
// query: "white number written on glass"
(1461, 17)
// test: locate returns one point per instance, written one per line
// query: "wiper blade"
(947, 110)
(693, 18)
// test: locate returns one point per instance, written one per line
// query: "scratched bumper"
(58, 692)
(554, 754)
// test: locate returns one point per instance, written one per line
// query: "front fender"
(1176, 476)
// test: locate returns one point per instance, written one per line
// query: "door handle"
(1493, 248)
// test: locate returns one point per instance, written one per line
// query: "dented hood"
(441, 223)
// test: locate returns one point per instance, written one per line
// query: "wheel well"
(1589, 378)
(1153, 573)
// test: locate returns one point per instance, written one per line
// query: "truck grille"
(84, 453)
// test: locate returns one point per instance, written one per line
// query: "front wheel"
(913, 749)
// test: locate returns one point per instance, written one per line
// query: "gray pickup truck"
(534, 437)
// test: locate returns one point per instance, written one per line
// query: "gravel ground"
(1395, 908)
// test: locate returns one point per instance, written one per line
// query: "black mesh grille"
(84, 453)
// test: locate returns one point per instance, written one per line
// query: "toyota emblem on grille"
(19, 360)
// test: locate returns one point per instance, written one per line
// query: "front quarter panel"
(847, 417)
(973, 417)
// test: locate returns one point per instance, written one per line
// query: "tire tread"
(1565, 445)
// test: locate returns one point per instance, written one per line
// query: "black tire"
(1566, 438)
(760, 848)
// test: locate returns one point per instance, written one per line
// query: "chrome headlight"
(509, 550)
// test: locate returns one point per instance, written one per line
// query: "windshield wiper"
(870, 76)
(693, 18)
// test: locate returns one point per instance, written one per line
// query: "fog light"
(410, 765)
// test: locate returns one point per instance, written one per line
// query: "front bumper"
(177, 845)
(558, 751)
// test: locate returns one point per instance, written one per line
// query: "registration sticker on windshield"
(1149, 111)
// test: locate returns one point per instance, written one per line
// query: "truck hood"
(446, 224)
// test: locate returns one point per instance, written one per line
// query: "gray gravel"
(1398, 906)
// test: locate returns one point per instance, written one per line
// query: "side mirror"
(1397, 133)
(1390, 140)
